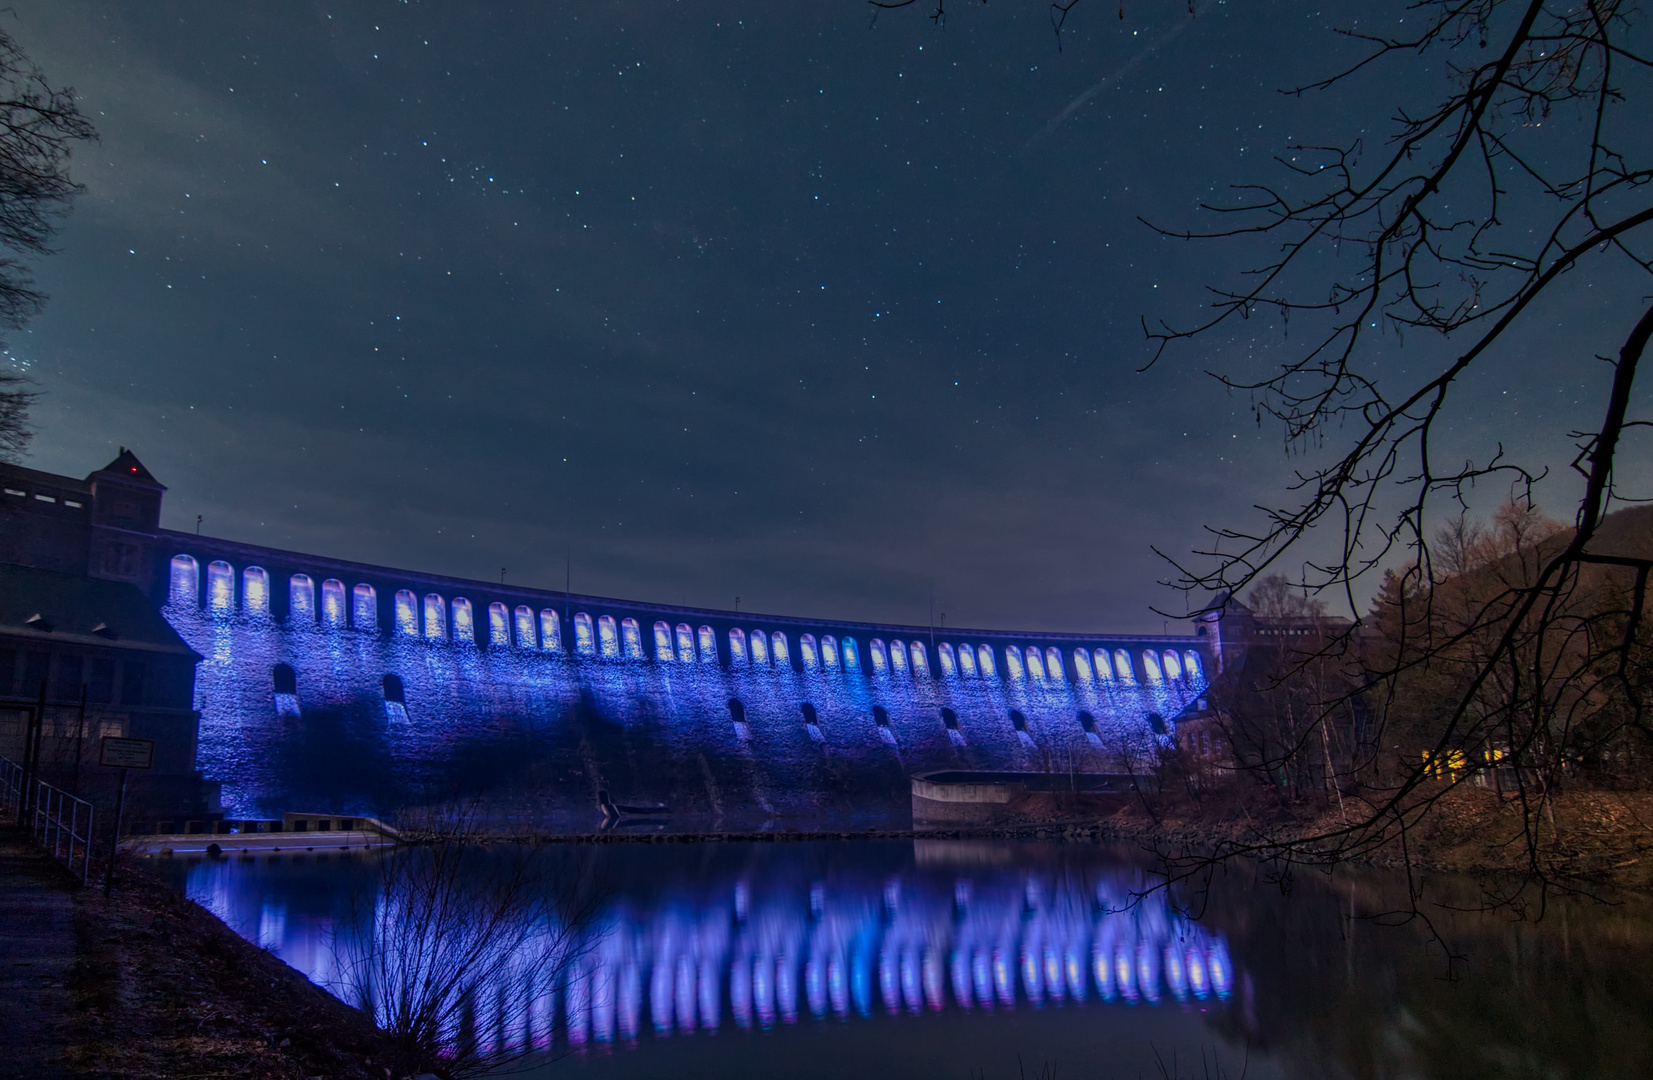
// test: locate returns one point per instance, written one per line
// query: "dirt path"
(37, 951)
(148, 984)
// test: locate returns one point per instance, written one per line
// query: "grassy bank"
(158, 987)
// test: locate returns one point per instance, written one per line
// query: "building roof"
(73, 610)
(127, 467)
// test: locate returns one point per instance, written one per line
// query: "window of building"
(69, 672)
(100, 680)
(133, 674)
(284, 679)
(950, 719)
(1018, 720)
(36, 666)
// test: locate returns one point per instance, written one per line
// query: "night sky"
(713, 300)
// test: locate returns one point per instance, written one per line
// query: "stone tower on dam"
(332, 685)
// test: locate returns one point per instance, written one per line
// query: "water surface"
(961, 959)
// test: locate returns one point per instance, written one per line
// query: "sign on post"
(126, 753)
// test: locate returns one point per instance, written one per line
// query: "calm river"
(955, 959)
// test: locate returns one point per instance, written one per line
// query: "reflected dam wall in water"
(693, 941)
(343, 687)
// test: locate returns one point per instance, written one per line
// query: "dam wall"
(341, 687)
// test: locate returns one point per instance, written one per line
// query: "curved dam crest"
(732, 720)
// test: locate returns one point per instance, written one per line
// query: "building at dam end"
(329, 685)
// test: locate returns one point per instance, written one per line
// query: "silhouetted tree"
(39, 124)
(1511, 640)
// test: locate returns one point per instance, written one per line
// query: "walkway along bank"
(337, 686)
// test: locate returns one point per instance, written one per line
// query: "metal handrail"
(55, 819)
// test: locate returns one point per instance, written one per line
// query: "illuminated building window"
(185, 582)
(436, 617)
(301, 601)
(332, 604)
(407, 613)
(663, 651)
(255, 591)
(685, 644)
(737, 646)
(464, 622)
(737, 714)
(1173, 666)
(898, 657)
(829, 652)
(807, 652)
(1122, 666)
(395, 699)
(1035, 664)
(1104, 666)
(921, 659)
(852, 655)
(1053, 665)
(880, 659)
(949, 666)
(708, 645)
(1082, 665)
(967, 660)
(284, 685)
(631, 639)
(1191, 665)
(1013, 663)
(1150, 666)
(364, 608)
(499, 626)
(527, 638)
(550, 630)
(585, 637)
(760, 648)
(608, 637)
(984, 662)
(778, 649)
(220, 587)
